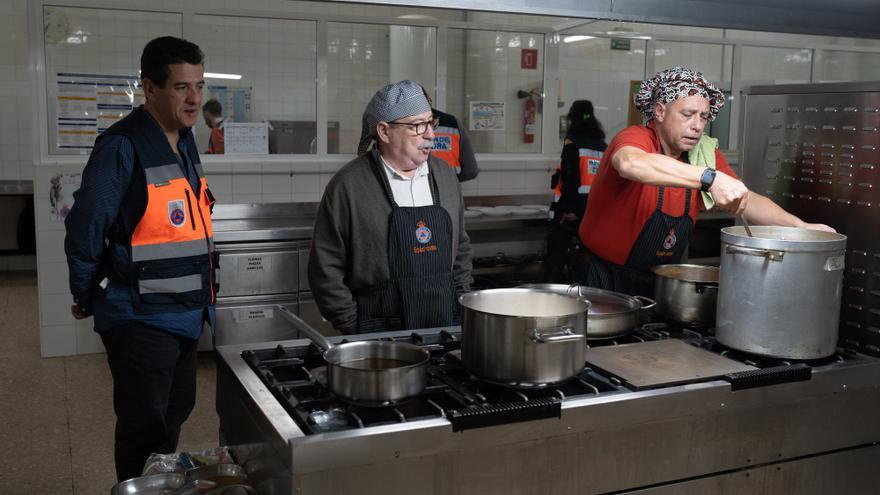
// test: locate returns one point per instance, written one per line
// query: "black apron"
(662, 241)
(421, 290)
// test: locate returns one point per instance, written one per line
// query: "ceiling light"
(577, 37)
(218, 75)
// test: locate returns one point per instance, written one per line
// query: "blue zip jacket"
(96, 206)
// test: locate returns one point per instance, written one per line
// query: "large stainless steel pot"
(779, 292)
(523, 337)
(373, 372)
(611, 314)
(687, 294)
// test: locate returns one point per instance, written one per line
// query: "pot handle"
(769, 254)
(701, 288)
(566, 334)
(646, 302)
(313, 335)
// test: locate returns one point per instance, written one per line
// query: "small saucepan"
(687, 294)
(369, 373)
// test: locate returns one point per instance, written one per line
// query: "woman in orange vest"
(581, 152)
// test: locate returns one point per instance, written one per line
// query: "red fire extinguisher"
(529, 120)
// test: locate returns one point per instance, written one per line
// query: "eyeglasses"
(419, 127)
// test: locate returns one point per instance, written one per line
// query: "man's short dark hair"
(164, 51)
(213, 107)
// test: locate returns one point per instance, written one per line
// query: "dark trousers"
(154, 391)
(562, 247)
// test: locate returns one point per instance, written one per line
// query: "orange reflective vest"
(588, 167)
(165, 225)
(447, 140)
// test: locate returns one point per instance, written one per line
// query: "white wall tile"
(88, 341)
(57, 340)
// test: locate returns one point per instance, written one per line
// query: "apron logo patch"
(176, 213)
(423, 233)
(670, 240)
(442, 143)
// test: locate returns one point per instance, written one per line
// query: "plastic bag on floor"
(180, 462)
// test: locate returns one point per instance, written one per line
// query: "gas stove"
(296, 376)
(496, 439)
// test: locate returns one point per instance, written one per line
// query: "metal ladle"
(746, 225)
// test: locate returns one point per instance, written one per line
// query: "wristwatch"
(707, 179)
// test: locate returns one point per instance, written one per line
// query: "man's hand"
(729, 194)
(78, 312)
(818, 226)
(569, 217)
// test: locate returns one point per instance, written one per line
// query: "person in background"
(390, 251)
(452, 145)
(141, 256)
(647, 194)
(212, 111)
(581, 152)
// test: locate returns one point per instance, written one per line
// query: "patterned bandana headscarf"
(671, 84)
(392, 102)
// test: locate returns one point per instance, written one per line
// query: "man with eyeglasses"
(389, 250)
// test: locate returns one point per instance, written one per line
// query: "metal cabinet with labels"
(251, 269)
(814, 149)
(243, 320)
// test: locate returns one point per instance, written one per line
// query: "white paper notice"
(486, 116)
(246, 138)
(61, 188)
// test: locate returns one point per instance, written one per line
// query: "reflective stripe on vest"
(589, 166)
(447, 146)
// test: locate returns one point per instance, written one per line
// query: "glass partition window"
(92, 69)
(262, 70)
(714, 61)
(489, 77)
(764, 65)
(603, 71)
(361, 58)
(838, 66)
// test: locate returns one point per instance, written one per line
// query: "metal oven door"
(252, 269)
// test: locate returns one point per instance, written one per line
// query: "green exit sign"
(619, 44)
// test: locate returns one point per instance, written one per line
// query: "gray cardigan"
(350, 242)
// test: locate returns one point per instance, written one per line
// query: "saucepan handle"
(646, 302)
(769, 254)
(565, 334)
(313, 335)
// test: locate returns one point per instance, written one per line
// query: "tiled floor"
(56, 414)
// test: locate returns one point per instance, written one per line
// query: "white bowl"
(544, 208)
(498, 211)
(472, 213)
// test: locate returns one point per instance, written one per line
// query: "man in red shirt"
(646, 195)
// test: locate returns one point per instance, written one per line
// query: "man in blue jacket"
(140, 252)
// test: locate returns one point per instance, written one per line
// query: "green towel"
(703, 155)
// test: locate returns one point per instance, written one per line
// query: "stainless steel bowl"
(154, 484)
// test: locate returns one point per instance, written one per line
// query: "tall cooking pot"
(611, 314)
(779, 291)
(523, 337)
(687, 294)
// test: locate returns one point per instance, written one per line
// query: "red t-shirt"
(618, 208)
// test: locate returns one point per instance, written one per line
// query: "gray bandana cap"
(392, 102)
(671, 84)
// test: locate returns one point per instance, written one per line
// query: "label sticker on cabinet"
(244, 315)
(834, 263)
(254, 264)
